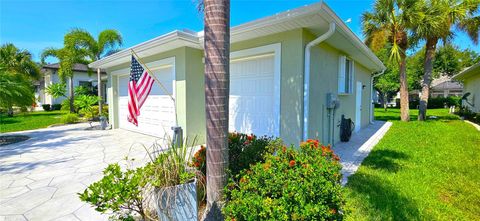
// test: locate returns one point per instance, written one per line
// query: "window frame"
(344, 87)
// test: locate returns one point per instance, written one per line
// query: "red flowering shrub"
(244, 149)
(293, 184)
(199, 160)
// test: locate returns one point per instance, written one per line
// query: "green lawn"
(29, 121)
(419, 171)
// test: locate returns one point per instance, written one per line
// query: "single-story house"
(287, 73)
(81, 77)
(445, 86)
(471, 84)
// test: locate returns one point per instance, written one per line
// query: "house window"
(345, 75)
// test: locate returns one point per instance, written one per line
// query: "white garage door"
(157, 114)
(253, 108)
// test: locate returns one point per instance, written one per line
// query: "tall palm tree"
(18, 68)
(67, 56)
(435, 23)
(106, 43)
(217, 91)
(388, 24)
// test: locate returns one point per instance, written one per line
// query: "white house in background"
(81, 77)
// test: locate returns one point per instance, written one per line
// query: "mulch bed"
(9, 139)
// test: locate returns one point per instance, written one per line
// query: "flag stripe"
(139, 88)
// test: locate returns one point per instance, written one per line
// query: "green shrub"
(82, 90)
(46, 107)
(119, 192)
(56, 106)
(85, 103)
(126, 193)
(243, 150)
(442, 102)
(66, 105)
(70, 118)
(294, 184)
(93, 113)
(57, 90)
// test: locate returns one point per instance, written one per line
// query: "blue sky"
(37, 24)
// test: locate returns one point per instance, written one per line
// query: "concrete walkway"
(40, 177)
(353, 152)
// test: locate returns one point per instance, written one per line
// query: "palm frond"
(108, 39)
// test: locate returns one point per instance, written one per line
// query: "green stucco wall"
(324, 79)
(195, 95)
(472, 85)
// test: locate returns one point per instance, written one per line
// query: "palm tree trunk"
(71, 94)
(427, 74)
(404, 109)
(99, 89)
(217, 90)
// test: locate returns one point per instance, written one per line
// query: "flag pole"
(160, 83)
(151, 74)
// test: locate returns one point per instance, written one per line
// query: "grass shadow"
(381, 196)
(8, 120)
(384, 160)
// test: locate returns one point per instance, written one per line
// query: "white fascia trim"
(154, 65)
(144, 46)
(306, 76)
(347, 32)
(276, 49)
(277, 18)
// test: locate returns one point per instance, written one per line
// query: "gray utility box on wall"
(332, 101)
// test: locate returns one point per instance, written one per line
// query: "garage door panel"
(252, 104)
(157, 114)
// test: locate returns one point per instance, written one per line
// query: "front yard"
(29, 121)
(419, 171)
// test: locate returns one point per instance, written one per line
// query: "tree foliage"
(57, 90)
(17, 71)
(15, 90)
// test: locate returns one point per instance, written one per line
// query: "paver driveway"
(40, 177)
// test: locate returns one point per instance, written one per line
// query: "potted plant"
(174, 184)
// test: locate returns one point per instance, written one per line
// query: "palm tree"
(434, 24)
(18, 68)
(67, 56)
(105, 44)
(217, 91)
(388, 24)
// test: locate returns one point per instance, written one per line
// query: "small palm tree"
(68, 56)
(106, 44)
(18, 61)
(435, 23)
(17, 70)
(217, 80)
(389, 24)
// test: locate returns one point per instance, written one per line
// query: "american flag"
(139, 87)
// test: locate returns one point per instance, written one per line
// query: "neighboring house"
(274, 90)
(445, 86)
(81, 77)
(471, 84)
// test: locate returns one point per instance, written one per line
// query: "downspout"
(371, 93)
(306, 79)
